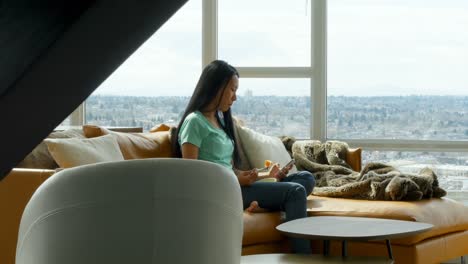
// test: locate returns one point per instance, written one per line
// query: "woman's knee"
(308, 181)
(297, 191)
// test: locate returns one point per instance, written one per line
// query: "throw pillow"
(259, 147)
(40, 158)
(136, 145)
(161, 127)
(72, 152)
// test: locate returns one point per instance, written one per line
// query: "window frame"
(317, 74)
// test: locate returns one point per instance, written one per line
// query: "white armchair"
(136, 211)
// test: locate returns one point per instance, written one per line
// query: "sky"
(375, 48)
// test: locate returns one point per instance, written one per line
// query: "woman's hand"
(278, 173)
(246, 178)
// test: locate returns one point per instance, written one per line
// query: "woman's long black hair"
(214, 78)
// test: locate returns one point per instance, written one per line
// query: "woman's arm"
(189, 151)
(245, 178)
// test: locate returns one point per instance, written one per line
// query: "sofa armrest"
(354, 158)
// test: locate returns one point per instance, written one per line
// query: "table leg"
(344, 248)
(389, 249)
(462, 260)
(326, 247)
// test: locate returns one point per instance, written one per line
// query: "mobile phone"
(289, 163)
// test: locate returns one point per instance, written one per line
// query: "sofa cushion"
(445, 214)
(160, 127)
(40, 157)
(72, 152)
(244, 161)
(136, 145)
(259, 147)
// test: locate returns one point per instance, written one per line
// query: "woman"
(206, 132)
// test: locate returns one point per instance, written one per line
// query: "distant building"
(248, 93)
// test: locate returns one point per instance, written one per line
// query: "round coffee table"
(351, 228)
(309, 259)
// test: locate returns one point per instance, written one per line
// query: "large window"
(268, 41)
(396, 81)
(275, 106)
(264, 32)
(270, 44)
(397, 69)
(153, 85)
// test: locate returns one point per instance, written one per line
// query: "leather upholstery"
(354, 158)
(261, 228)
(15, 190)
(446, 215)
(266, 248)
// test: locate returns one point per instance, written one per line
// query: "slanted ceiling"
(54, 54)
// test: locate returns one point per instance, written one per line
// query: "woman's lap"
(304, 178)
(272, 195)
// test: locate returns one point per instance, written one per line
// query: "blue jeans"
(289, 195)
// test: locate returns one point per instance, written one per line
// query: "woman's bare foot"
(255, 208)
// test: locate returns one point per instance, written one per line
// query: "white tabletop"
(310, 259)
(351, 228)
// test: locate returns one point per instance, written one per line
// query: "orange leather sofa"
(448, 239)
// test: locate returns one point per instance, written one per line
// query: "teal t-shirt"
(213, 143)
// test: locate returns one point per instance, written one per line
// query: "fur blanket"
(377, 181)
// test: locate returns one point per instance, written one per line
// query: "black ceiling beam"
(65, 73)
